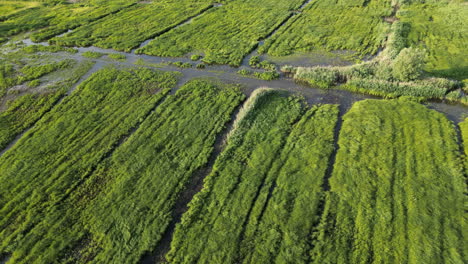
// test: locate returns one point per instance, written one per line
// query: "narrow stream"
(228, 74)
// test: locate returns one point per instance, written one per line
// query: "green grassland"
(146, 173)
(9, 8)
(25, 110)
(211, 229)
(70, 16)
(442, 29)
(225, 35)
(56, 18)
(333, 25)
(397, 189)
(129, 28)
(464, 134)
(276, 225)
(52, 158)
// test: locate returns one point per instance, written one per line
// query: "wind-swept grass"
(122, 210)
(224, 34)
(27, 109)
(211, 230)
(127, 29)
(59, 152)
(333, 25)
(442, 29)
(397, 189)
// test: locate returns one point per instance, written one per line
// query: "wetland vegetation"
(145, 131)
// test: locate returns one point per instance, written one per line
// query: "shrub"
(34, 83)
(195, 57)
(117, 56)
(180, 64)
(323, 77)
(244, 72)
(267, 76)
(408, 65)
(254, 61)
(93, 54)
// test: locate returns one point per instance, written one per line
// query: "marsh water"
(228, 74)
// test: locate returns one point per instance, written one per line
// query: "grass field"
(167, 148)
(333, 25)
(54, 18)
(10, 8)
(52, 158)
(226, 34)
(25, 110)
(129, 28)
(397, 189)
(137, 156)
(442, 29)
(265, 188)
(464, 134)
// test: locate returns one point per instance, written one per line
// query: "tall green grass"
(210, 231)
(27, 109)
(127, 29)
(59, 152)
(122, 210)
(442, 29)
(333, 25)
(226, 34)
(397, 189)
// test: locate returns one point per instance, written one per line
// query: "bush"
(244, 72)
(117, 56)
(34, 83)
(180, 64)
(93, 54)
(409, 64)
(201, 66)
(254, 61)
(195, 57)
(267, 76)
(323, 77)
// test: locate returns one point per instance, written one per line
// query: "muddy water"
(455, 112)
(4, 259)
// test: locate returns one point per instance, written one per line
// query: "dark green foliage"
(180, 64)
(266, 75)
(195, 57)
(59, 152)
(210, 230)
(397, 189)
(255, 62)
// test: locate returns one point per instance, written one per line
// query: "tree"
(408, 65)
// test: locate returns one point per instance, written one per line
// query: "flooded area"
(228, 74)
